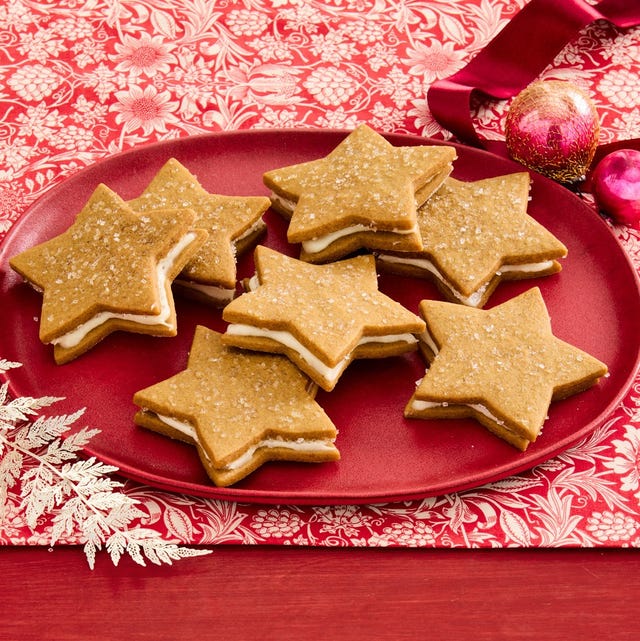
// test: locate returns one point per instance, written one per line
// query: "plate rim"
(266, 497)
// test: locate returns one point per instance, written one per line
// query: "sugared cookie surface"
(476, 234)
(320, 316)
(363, 194)
(111, 270)
(239, 409)
(233, 224)
(502, 366)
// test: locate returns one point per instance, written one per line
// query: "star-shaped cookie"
(233, 224)
(476, 234)
(111, 270)
(501, 366)
(320, 316)
(240, 410)
(363, 194)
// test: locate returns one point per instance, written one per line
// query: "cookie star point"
(111, 269)
(321, 316)
(476, 234)
(233, 224)
(361, 195)
(501, 366)
(240, 410)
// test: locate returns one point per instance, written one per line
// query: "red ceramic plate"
(594, 303)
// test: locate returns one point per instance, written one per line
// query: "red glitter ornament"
(552, 127)
(615, 184)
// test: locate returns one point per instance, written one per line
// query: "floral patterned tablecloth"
(84, 80)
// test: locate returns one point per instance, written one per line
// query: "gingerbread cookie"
(111, 270)
(321, 316)
(476, 234)
(501, 366)
(233, 223)
(239, 409)
(363, 194)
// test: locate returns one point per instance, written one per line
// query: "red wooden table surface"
(245, 593)
(82, 83)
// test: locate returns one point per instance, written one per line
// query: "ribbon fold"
(516, 57)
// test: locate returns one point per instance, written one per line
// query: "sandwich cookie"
(321, 316)
(239, 409)
(111, 270)
(233, 223)
(502, 366)
(476, 234)
(362, 195)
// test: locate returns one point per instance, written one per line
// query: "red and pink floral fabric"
(84, 80)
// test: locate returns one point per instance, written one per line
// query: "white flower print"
(73, 138)
(363, 31)
(269, 84)
(625, 49)
(424, 122)
(15, 153)
(88, 112)
(191, 81)
(385, 118)
(73, 28)
(379, 56)
(269, 47)
(621, 87)
(147, 109)
(338, 119)
(88, 52)
(11, 200)
(332, 47)
(627, 461)
(276, 523)
(278, 119)
(247, 22)
(410, 533)
(40, 46)
(345, 519)
(34, 82)
(147, 54)
(433, 61)
(15, 15)
(611, 527)
(40, 121)
(629, 126)
(102, 80)
(331, 86)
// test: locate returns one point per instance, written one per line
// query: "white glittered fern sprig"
(77, 494)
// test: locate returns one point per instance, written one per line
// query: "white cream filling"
(72, 338)
(218, 294)
(285, 203)
(315, 245)
(299, 444)
(180, 426)
(254, 228)
(288, 340)
(476, 297)
(481, 409)
(425, 337)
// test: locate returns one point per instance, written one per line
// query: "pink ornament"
(552, 127)
(615, 184)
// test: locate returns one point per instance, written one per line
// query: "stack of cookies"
(247, 396)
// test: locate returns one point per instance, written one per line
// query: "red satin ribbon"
(517, 56)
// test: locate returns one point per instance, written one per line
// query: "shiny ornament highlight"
(552, 127)
(615, 184)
